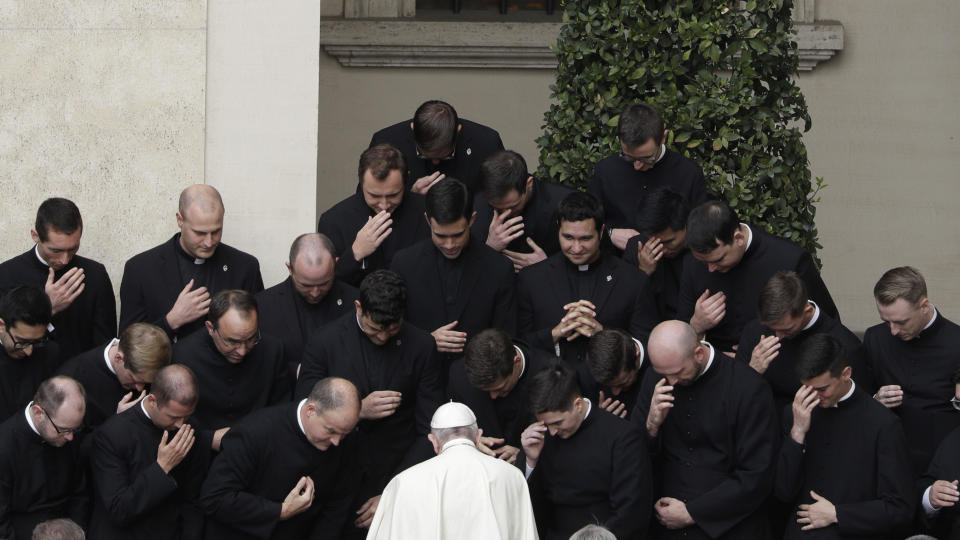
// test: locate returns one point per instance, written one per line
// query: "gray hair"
(58, 529)
(593, 532)
(445, 435)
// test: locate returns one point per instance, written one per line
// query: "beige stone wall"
(101, 102)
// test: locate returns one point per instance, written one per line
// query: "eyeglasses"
(232, 344)
(650, 160)
(452, 155)
(21, 344)
(955, 401)
(60, 430)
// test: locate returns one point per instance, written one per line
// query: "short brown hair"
(145, 347)
(243, 301)
(902, 282)
(380, 160)
(435, 126)
(783, 294)
(175, 382)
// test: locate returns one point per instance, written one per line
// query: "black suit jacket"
(475, 143)
(92, 317)
(664, 283)
(539, 218)
(102, 386)
(151, 283)
(342, 222)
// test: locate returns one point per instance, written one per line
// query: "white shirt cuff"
(528, 469)
(927, 505)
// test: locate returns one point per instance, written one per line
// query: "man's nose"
(638, 165)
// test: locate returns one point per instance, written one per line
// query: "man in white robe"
(461, 493)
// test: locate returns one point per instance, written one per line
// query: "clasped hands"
(580, 320)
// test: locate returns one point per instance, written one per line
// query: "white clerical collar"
(816, 315)
(457, 442)
(300, 420)
(853, 386)
(663, 152)
(589, 408)
(749, 236)
(929, 324)
(36, 251)
(144, 409)
(26, 412)
(709, 360)
(523, 361)
(106, 355)
(642, 352)
(583, 267)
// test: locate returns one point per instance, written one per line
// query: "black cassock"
(716, 450)
(285, 315)
(923, 367)
(782, 375)
(229, 391)
(855, 456)
(262, 460)
(539, 218)
(133, 497)
(89, 320)
(616, 289)
(591, 388)
(664, 282)
(152, 280)
(342, 222)
(621, 188)
(742, 284)
(407, 363)
(20, 377)
(505, 417)
(102, 386)
(945, 523)
(38, 482)
(601, 474)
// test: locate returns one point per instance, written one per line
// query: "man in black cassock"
(84, 308)
(493, 379)
(309, 298)
(659, 251)
(644, 163)
(711, 425)
(517, 213)
(572, 295)
(583, 464)
(287, 472)
(913, 356)
(719, 290)
(459, 285)
(395, 368)
(239, 370)
(171, 285)
(381, 218)
(843, 463)
(786, 319)
(613, 371)
(146, 468)
(436, 143)
(41, 474)
(115, 376)
(940, 497)
(27, 356)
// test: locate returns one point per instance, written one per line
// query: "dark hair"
(383, 296)
(175, 382)
(57, 214)
(902, 282)
(581, 206)
(314, 243)
(380, 160)
(435, 126)
(554, 388)
(333, 393)
(610, 352)
(711, 225)
(242, 301)
(52, 392)
(783, 294)
(488, 357)
(638, 124)
(661, 209)
(448, 201)
(25, 304)
(502, 172)
(821, 353)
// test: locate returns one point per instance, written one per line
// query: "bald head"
(61, 393)
(676, 353)
(311, 249)
(311, 266)
(175, 382)
(200, 218)
(335, 393)
(200, 198)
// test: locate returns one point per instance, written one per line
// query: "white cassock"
(460, 494)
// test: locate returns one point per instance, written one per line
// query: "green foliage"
(721, 74)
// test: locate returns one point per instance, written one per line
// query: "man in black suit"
(644, 162)
(41, 474)
(435, 143)
(941, 513)
(84, 307)
(27, 356)
(370, 226)
(239, 369)
(574, 294)
(460, 285)
(171, 285)
(613, 371)
(719, 290)
(309, 298)
(146, 468)
(287, 472)
(516, 213)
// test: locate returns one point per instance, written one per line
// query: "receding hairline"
(313, 249)
(202, 197)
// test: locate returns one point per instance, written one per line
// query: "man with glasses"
(26, 358)
(41, 474)
(394, 366)
(437, 143)
(644, 162)
(239, 370)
